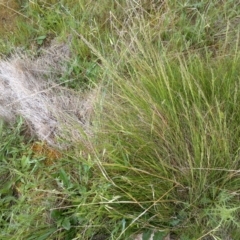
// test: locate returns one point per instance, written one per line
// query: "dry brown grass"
(55, 114)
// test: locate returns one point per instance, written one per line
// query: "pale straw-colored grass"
(29, 88)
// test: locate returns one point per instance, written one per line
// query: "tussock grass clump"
(169, 139)
(171, 146)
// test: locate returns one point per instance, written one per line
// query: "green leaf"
(56, 214)
(40, 39)
(175, 222)
(25, 162)
(147, 235)
(123, 225)
(43, 236)
(66, 224)
(159, 235)
(64, 178)
(6, 188)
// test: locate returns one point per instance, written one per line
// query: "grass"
(174, 156)
(165, 153)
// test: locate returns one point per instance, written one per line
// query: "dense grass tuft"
(170, 145)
